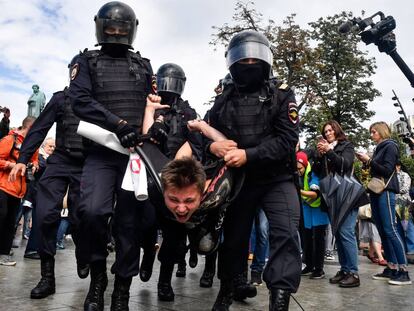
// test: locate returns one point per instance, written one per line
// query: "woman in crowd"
(382, 165)
(336, 155)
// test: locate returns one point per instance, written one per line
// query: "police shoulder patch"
(293, 113)
(74, 71)
(283, 86)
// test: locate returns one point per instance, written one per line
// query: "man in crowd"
(5, 122)
(11, 192)
(108, 88)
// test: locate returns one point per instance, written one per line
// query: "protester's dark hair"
(27, 122)
(184, 172)
(339, 132)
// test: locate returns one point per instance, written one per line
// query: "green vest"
(311, 202)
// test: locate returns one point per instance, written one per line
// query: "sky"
(40, 37)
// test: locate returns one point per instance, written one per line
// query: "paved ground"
(16, 283)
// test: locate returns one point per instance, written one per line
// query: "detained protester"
(109, 88)
(260, 120)
(63, 170)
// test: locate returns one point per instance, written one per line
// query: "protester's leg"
(308, 250)
(262, 243)
(409, 237)
(319, 243)
(63, 228)
(8, 210)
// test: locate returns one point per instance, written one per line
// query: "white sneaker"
(5, 260)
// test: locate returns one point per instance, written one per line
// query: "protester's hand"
(220, 148)
(196, 125)
(235, 158)
(126, 134)
(19, 169)
(154, 103)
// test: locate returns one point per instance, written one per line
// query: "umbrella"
(341, 195)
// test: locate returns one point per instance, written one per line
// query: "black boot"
(279, 300)
(83, 270)
(225, 296)
(242, 288)
(165, 291)
(181, 270)
(193, 261)
(147, 263)
(120, 295)
(95, 299)
(206, 279)
(46, 286)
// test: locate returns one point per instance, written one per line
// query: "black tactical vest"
(245, 118)
(176, 119)
(121, 84)
(66, 137)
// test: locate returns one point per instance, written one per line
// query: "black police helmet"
(248, 44)
(171, 78)
(116, 23)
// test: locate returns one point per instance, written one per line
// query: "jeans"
(407, 235)
(346, 243)
(260, 235)
(33, 242)
(383, 211)
(63, 228)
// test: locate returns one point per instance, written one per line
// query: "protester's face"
(375, 136)
(329, 133)
(49, 147)
(301, 168)
(182, 202)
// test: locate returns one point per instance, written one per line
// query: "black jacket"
(383, 163)
(339, 160)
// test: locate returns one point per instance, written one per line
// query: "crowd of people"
(231, 184)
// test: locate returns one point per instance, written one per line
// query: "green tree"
(330, 78)
(341, 80)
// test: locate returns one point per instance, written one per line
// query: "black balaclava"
(248, 77)
(168, 98)
(115, 50)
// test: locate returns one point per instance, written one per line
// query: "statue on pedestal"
(36, 102)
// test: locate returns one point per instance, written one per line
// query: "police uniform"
(104, 90)
(63, 170)
(262, 118)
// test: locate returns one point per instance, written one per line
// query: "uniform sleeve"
(83, 104)
(286, 128)
(38, 132)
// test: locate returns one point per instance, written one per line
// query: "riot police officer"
(109, 88)
(260, 120)
(169, 128)
(63, 170)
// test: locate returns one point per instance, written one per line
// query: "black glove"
(159, 132)
(127, 135)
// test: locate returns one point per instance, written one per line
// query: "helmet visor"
(115, 31)
(249, 50)
(170, 84)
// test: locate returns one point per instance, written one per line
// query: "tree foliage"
(328, 71)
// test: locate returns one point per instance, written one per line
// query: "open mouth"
(181, 218)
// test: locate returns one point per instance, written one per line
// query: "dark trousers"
(33, 242)
(172, 249)
(314, 244)
(280, 203)
(51, 189)
(101, 181)
(8, 211)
